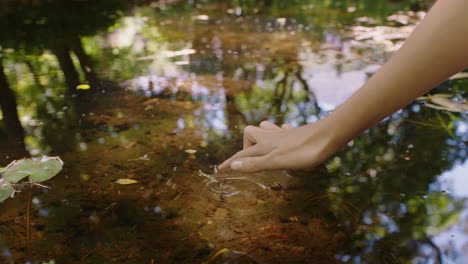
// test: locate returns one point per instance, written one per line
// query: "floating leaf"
(83, 87)
(17, 170)
(441, 102)
(460, 75)
(38, 169)
(45, 168)
(430, 96)
(190, 151)
(449, 105)
(6, 190)
(126, 181)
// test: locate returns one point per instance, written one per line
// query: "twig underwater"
(202, 174)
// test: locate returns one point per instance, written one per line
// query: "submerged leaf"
(6, 190)
(126, 181)
(38, 169)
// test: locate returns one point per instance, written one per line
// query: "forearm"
(436, 50)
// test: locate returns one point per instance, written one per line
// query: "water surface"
(170, 77)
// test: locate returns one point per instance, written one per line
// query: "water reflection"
(169, 77)
(13, 132)
(453, 239)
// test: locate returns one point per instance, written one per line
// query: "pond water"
(171, 85)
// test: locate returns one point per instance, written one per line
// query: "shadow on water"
(171, 85)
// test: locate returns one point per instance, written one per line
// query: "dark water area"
(160, 91)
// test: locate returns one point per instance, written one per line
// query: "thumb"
(251, 164)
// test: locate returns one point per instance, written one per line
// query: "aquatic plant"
(38, 169)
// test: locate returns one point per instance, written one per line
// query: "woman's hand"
(269, 147)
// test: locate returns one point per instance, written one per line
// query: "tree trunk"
(35, 75)
(85, 61)
(62, 52)
(13, 127)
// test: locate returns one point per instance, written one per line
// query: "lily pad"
(6, 190)
(38, 169)
(17, 170)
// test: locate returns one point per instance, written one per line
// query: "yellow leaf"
(126, 181)
(83, 87)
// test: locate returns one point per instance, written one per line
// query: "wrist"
(324, 138)
(337, 135)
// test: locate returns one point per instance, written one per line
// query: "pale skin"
(437, 49)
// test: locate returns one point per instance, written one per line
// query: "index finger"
(253, 151)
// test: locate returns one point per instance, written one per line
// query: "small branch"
(87, 255)
(202, 174)
(28, 216)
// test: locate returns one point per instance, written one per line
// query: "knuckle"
(264, 123)
(248, 129)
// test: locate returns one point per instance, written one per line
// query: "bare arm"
(437, 49)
